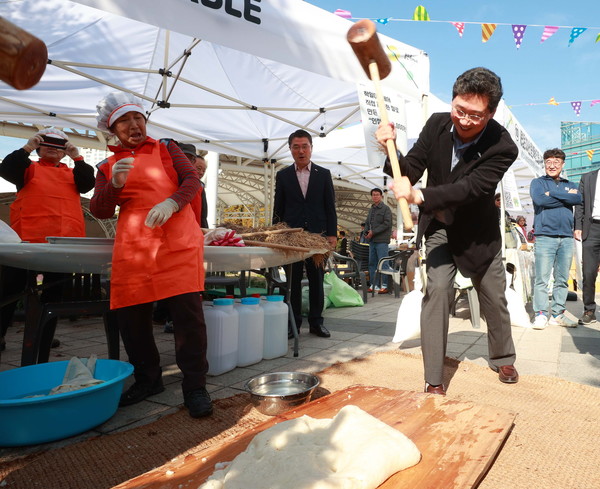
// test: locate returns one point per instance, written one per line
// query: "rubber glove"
(71, 150)
(161, 213)
(223, 237)
(120, 171)
(33, 143)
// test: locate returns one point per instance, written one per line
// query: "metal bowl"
(278, 392)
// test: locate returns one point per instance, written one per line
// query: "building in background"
(581, 143)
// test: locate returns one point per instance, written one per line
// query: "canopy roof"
(223, 83)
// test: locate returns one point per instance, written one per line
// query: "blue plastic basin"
(43, 419)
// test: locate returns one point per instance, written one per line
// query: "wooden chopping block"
(458, 440)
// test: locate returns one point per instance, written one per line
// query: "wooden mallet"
(363, 39)
(23, 57)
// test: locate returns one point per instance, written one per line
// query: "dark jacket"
(464, 195)
(584, 210)
(315, 213)
(553, 212)
(379, 220)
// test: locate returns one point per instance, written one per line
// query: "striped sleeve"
(189, 179)
(106, 197)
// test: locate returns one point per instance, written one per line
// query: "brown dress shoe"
(383, 291)
(508, 374)
(435, 389)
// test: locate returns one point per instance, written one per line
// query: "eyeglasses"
(475, 118)
(553, 163)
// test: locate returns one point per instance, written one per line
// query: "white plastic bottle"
(250, 337)
(222, 329)
(275, 342)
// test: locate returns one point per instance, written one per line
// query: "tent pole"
(212, 185)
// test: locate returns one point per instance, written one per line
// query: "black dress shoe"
(320, 330)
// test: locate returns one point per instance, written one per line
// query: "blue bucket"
(48, 418)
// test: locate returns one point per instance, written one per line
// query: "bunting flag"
(598, 38)
(594, 102)
(383, 21)
(460, 27)
(590, 153)
(420, 13)
(486, 31)
(575, 33)
(345, 14)
(518, 33)
(549, 30)
(576, 107)
(552, 101)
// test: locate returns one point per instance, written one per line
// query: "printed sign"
(369, 110)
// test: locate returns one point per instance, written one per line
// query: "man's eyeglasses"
(475, 118)
(553, 163)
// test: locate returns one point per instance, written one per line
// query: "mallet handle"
(391, 145)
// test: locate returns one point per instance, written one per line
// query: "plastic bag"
(342, 294)
(516, 308)
(408, 322)
(305, 302)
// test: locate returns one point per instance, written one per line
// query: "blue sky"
(532, 74)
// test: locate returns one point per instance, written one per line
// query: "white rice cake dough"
(354, 450)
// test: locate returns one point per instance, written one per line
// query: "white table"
(94, 255)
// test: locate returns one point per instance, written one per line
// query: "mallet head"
(363, 39)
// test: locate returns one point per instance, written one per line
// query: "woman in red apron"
(47, 204)
(158, 251)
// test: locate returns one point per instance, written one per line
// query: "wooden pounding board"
(458, 440)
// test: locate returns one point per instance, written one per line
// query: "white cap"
(114, 105)
(52, 131)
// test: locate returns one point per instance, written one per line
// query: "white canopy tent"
(235, 84)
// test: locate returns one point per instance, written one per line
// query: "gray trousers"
(435, 310)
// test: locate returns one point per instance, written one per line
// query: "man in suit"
(466, 154)
(587, 230)
(304, 197)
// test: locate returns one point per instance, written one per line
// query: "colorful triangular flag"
(552, 101)
(594, 102)
(486, 31)
(518, 33)
(345, 14)
(576, 107)
(549, 30)
(460, 27)
(575, 33)
(420, 13)
(590, 153)
(598, 38)
(383, 21)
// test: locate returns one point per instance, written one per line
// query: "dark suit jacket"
(583, 211)
(315, 213)
(464, 196)
(204, 215)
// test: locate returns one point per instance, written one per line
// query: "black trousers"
(590, 257)
(135, 325)
(13, 281)
(316, 297)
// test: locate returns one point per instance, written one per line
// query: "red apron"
(152, 264)
(48, 205)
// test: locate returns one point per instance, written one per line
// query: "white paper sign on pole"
(369, 111)
(512, 202)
